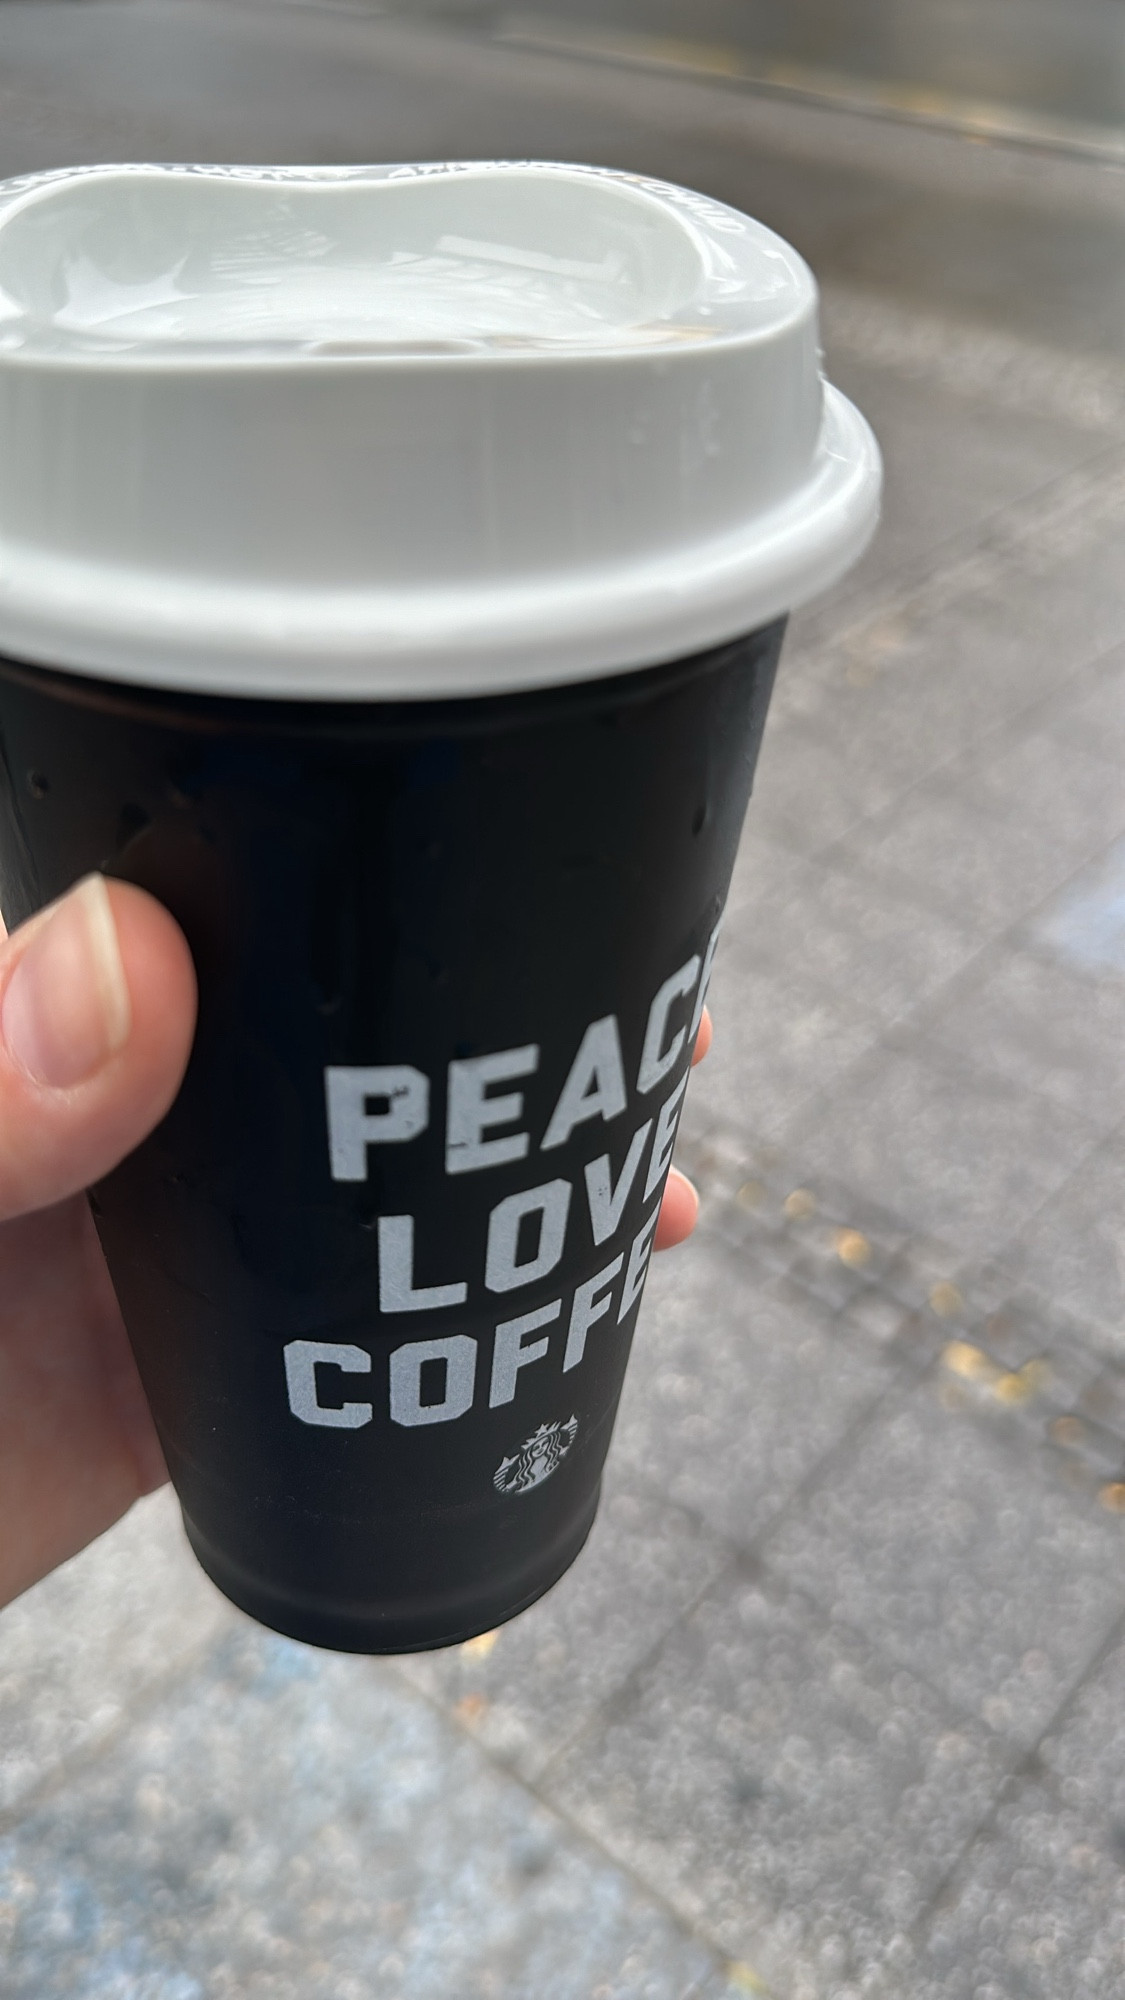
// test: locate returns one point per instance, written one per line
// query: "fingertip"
(161, 979)
(679, 1211)
(97, 1015)
(160, 976)
(703, 1038)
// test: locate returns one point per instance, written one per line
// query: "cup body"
(381, 1263)
(394, 563)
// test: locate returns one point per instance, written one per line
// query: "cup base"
(347, 1628)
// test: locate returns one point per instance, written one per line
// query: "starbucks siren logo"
(538, 1456)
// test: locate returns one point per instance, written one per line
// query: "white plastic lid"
(406, 431)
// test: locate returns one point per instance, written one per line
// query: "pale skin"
(94, 1038)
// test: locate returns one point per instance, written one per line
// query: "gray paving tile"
(866, 724)
(1103, 1398)
(984, 869)
(1084, 711)
(998, 371)
(1094, 718)
(953, 1153)
(1041, 1026)
(817, 1277)
(733, 1395)
(1037, 1911)
(1073, 1248)
(806, 793)
(1015, 1329)
(79, 1651)
(961, 1551)
(832, 1246)
(1084, 925)
(1085, 1752)
(780, 1037)
(860, 718)
(773, 1252)
(1077, 797)
(923, 1272)
(876, 1316)
(793, 1796)
(1061, 548)
(1074, 1842)
(834, 1253)
(528, 1688)
(990, 634)
(862, 752)
(298, 1827)
(884, 952)
(722, 1161)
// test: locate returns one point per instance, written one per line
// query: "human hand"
(97, 1014)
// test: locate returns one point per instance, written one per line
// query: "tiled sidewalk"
(831, 1707)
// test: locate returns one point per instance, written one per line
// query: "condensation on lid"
(370, 262)
(406, 431)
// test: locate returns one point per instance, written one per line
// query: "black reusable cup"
(400, 889)
(451, 868)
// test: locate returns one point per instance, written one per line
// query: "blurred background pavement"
(833, 1706)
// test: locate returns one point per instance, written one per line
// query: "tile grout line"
(905, 1021)
(1011, 531)
(1021, 1771)
(575, 1827)
(828, 854)
(603, 1709)
(90, 1754)
(968, 1273)
(860, 602)
(1108, 1140)
(906, 1025)
(757, 1566)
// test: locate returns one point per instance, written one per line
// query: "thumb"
(97, 1012)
